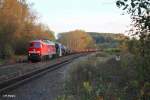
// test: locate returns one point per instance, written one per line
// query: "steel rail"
(14, 82)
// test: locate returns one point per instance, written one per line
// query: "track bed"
(12, 74)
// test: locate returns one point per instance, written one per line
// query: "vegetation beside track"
(101, 77)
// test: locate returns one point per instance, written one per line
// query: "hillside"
(107, 40)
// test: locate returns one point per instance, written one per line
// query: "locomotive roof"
(44, 41)
(36, 41)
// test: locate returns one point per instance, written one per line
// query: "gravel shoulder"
(11, 71)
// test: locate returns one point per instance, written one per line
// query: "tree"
(76, 40)
(140, 14)
(13, 14)
(18, 26)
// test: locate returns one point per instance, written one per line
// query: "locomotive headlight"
(38, 52)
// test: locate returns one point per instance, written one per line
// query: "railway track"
(14, 82)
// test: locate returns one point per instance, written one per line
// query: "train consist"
(40, 50)
(45, 49)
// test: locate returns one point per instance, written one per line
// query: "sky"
(87, 15)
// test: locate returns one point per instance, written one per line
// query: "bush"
(91, 79)
(7, 52)
(79, 83)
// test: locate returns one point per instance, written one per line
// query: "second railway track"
(10, 84)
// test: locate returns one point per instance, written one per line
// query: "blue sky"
(88, 15)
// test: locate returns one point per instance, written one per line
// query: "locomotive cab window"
(37, 44)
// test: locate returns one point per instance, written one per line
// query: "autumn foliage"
(77, 40)
(18, 25)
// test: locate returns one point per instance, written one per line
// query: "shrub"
(79, 83)
(91, 79)
(7, 52)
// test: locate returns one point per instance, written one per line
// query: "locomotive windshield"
(35, 44)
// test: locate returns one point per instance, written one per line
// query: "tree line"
(19, 25)
(77, 40)
(108, 40)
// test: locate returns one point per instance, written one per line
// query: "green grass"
(112, 50)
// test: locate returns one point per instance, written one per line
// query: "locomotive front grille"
(34, 57)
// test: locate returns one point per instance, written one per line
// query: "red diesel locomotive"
(41, 49)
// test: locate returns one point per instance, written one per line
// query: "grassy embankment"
(101, 77)
(14, 59)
